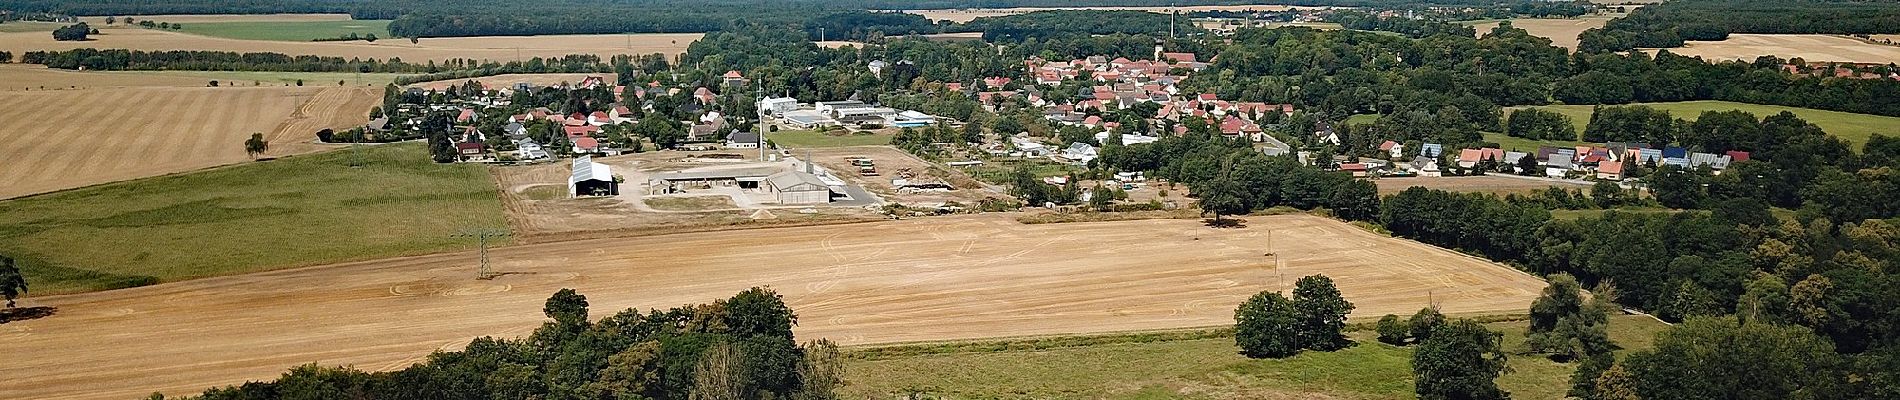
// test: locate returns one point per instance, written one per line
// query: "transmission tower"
(481, 237)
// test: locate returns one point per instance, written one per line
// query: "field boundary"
(1061, 341)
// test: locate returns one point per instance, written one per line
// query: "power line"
(481, 236)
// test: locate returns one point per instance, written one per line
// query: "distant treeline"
(416, 18)
(139, 60)
(1670, 23)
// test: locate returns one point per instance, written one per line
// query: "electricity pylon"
(481, 236)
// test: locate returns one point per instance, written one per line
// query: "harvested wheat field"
(63, 139)
(1475, 184)
(1745, 46)
(496, 48)
(914, 280)
(1562, 32)
(203, 18)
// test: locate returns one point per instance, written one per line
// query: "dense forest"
(1670, 23)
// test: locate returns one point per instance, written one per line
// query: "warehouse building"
(591, 179)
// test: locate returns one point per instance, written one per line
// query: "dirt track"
(931, 279)
(62, 139)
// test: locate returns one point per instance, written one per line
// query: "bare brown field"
(1562, 32)
(967, 14)
(539, 211)
(54, 140)
(1744, 46)
(511, 79)
(497, 48)
(890, 163)
(1472, 184)
(914, 280)
(202, 18)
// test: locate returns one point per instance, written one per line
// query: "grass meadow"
(1190, 365)
(1854, 128)
(297, 211)
(291, 31)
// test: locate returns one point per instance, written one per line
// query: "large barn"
(796, 187)
(591, 179)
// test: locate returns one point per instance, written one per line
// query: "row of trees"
(1670, 24)
(120, 59)
(737, 348)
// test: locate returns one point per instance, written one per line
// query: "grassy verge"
(1057, 218)
(1854, 128)
(815, 139)
(1191, 364)
(291, 31)
(297, 211)
(245, 78)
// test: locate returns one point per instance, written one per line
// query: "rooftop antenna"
(481, 236)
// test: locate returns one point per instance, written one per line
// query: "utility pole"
(481, 236)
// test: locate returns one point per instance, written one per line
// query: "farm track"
(916, 280)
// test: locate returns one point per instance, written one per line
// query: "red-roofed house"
(580, 131)
(704, 95)
(586, 145)
(1178, 57)
(1392, 148)
(599, 118)
(1610, 170)
(1092, 120)
(1737, 156)
(469, 150)
(996, 82)
(466, 116)
(1356, 169)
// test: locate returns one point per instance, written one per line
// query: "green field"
(297, 31)
(28, 26)
(1195, 368)
(1512, 143)
(1359, 119)
(1854, 128)
(297, 211)
(814, 139)
(245, 78)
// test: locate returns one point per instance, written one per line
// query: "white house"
(778, 105)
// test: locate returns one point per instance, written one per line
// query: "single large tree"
(1264, 326)
(256, 145)
(1222, 196)
(1461, 360)
(12, 283)
(1322, 312)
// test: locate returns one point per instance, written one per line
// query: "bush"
(1392, 331)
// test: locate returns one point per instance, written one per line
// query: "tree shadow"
(1225, 223)
(26, 313)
